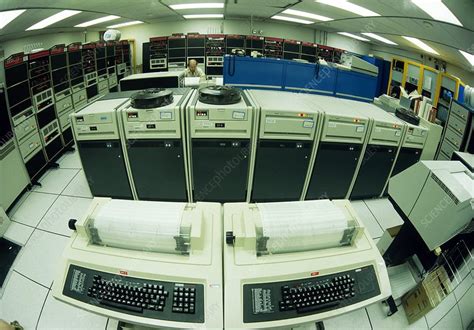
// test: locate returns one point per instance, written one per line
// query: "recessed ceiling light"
(8, 16)
(468, 56)
(437, 10)
(53, 19)
(124, 24)
(97, 21)
(291, 19)
(307, 15)
(206, 5)
(346, 5)
(204, 16)
(420, 44)
(379, 38)
(350, 35)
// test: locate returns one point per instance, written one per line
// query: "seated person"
(193, 71)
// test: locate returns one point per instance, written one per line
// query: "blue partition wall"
(247, 72)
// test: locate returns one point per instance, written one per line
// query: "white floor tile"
(58, 315)
(22, 301)
(64, 208)
(354, 320)
(462, 287)
(367, 218)
(55, 180)
(17, 205)
(70, 160)
(39, 259)
(384, 212)
(78, 187)
(33, 208)
(435, 315)
(18, 233)
(380, 320)
(451, 321)
(466, 307)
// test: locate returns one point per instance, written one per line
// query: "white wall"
(45, 41)
(142, 33)
(389, 53)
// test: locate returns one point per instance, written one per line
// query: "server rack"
(234, 41)
(154, 133)
(215, 51)
(98, 141)
(309, 51)
(158, 54)
(22, 115)
(273, 47)
(120, 64)
(62, 91)
(111, 68)
(196, 49)
(219, 140)
(41, 86)
(254, 43)
(177, 52)
(76, 75)
(127, 56)
(90, 71)
(380, 152)
(325, 52)
(291, 49)
(343, 134)
(101, 67)
(288, 131)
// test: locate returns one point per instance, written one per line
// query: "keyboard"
(170, 301)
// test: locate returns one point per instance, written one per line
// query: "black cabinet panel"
(67, 136)
(333, 170)
(374, 171)
(158, 169)
(406, 158)
(280, 170)
(35, 164)
(105, 168)
(54, 147)
(220, 170)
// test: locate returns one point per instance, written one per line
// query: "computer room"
(237, 164)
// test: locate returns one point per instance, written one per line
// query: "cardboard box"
(427, 295)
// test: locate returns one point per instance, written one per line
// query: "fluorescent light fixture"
(204, 16)
(438, 10)
(207, 5)
(468, 56)
(307, 15)
(346, 5)
(97, 21)
(124, 24)
(291, 19)
(8, 16)
(379, 38)
(420, 44)
(350, 35)
(53, 19)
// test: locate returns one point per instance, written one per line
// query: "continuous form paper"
(140, 225)
(302, 226)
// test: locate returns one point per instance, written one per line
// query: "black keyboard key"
(314, 308)
(121, 306)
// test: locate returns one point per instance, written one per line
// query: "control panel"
(181, 302)
(283, 300)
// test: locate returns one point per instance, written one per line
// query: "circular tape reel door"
(219, 95)
(151, 98)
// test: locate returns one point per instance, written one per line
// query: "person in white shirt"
(193, 71)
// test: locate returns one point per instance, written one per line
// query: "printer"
(436, 201)
(147, 263)
(291, 263)
(356, 64)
